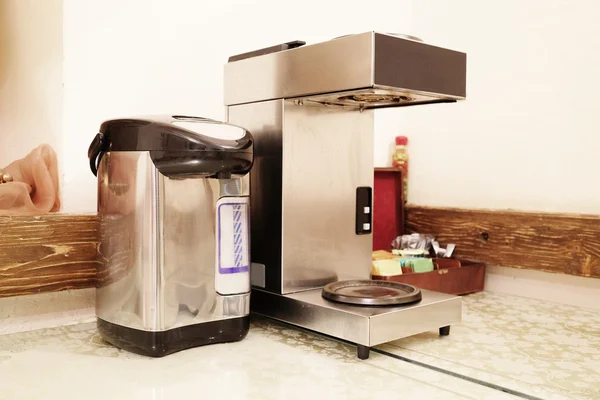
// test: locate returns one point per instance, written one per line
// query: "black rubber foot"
(363, 351)
(445, 330)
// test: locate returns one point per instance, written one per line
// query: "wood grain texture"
(116, 251)
(59, 252)
(47, 253)
(560, 243)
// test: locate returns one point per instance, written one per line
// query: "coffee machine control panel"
(364, 210)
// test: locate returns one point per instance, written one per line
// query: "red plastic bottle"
(400, 160)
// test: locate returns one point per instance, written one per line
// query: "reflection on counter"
(273, 362)
(542, 349)
(545, 350)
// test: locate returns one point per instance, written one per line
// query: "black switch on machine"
(364, 210)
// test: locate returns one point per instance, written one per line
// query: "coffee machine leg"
(362, 351)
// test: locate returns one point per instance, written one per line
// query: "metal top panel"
(330, 66)
(404, 68)
(419, 67)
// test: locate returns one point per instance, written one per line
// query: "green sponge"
(420, 264)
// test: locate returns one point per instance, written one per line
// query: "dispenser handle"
(96, 151)
(267, 50)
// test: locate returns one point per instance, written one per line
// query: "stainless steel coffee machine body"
(312, 166)
(174, 246)
(311, 111)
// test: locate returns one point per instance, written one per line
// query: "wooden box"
(468, 278)
(449, 276)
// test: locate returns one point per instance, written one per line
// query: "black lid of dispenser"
(179, 145)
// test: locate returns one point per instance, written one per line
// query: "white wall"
(527, 137)
(30, 76)
(532, 85)
(147, 56)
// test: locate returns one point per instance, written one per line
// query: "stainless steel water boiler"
(174, 237)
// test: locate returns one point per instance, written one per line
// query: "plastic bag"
(427, 243)
(35, 189)
(415, 241)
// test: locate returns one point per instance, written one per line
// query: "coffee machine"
(311, 109)
(174, 232)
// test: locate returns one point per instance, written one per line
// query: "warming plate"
(365, 326)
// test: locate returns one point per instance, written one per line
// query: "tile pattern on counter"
(46, 310)
(273, 362)
(539, 348)
(317, 344)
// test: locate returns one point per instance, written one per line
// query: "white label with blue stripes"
(233, 253)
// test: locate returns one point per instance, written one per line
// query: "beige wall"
(31, 97)
(528, 136)
(67, 65)
(524, 139)
(155, 56)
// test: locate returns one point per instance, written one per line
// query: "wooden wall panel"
(59, 252)
(561, 243)
(47, 253)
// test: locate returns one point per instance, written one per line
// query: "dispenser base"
(162, 343)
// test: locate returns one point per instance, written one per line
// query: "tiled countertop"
(273, 362)
(546, 350)
(542, 350)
